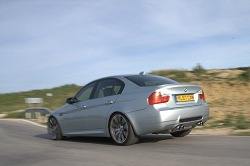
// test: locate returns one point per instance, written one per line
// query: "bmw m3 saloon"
(126, 107)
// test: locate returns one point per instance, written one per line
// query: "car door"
(74, 116)
(105, 96)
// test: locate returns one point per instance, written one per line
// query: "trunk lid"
(182, 95)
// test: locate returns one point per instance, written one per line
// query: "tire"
(121, 130)
(181, 133)
(54, 129)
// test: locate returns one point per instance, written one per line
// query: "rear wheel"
(121, 130)
(181, 133)
(54, 129)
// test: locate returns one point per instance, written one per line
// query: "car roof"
(126, 75)
(118, 76)
(143, 80)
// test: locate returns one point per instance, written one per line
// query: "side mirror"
(71, 100)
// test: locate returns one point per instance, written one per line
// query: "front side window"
(86, 92)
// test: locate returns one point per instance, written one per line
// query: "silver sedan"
(127, 106)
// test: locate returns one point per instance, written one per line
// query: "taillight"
(157, 98)
(201, 95)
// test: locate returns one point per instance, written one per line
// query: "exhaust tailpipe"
(180, 127)
(200, 123)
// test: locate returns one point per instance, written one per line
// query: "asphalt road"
(24, 144)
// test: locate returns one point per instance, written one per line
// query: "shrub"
(198, 69)
(246, 75)
(241, 122)
(228, 121)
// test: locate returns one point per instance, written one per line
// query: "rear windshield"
(150, 80)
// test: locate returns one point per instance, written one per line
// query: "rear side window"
(150, 80)
(108, 87)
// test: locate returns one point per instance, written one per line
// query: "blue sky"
(49, 43)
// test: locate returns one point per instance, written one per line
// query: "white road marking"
(24, 120)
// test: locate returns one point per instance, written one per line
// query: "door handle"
(84, 107)
(110, 102)
(61, 114)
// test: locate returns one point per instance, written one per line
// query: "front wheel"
(181, 133)
(121, 130)
(54, 129)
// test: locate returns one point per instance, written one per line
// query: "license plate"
(184, 98)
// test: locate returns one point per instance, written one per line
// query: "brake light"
(201, 95)
(157, 98)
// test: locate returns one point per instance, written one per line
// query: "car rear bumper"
(155, 120)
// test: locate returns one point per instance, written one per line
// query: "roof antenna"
(142, 73)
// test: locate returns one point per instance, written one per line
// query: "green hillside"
(227, 92)
(16, 101)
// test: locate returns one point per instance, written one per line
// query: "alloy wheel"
(119, 128)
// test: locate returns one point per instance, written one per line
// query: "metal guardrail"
(40, 113)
